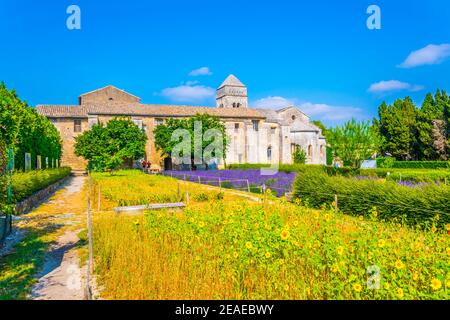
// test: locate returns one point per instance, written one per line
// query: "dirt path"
(61, 277)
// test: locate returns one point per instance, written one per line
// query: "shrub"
(299, 156)
(385, 162)
(412, 205)
(26, 183)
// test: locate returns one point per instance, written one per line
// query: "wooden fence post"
(248, 186)
(199, 180)
(335, 203)
(99, 198)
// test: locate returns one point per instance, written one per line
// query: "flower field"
(223, 246)
(279, 182)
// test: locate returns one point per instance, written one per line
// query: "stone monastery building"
(256, 135)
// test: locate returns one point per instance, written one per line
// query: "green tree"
(397, 129)
(24, 130)
(354, 142)
(299, 155)
(110, 147)
(207, 129)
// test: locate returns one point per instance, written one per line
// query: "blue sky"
(319, 54)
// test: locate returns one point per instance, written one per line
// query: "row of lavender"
(246, 180)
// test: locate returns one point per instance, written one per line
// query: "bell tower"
(232, 93)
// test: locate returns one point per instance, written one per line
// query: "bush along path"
(45, 264)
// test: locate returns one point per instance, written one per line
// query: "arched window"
(238, 105)
(310, 151)
(234, 104)
(269, 153)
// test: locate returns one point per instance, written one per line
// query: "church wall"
(107, 95)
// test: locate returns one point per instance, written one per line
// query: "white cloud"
(393, 85)
(203, 71)
(329, 114)
(188, 92)
(332, 113)
(273, 102)
(431, 54)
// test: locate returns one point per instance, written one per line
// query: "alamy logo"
(73, 22)
(374, 20)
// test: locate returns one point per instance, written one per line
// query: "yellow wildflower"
(387, 285)
(201, 224)
(357, 287)
(415, 276)
(399, 264)
(249, 245)
(340, 250)
(381, 243)
(268, 255)
(447, 226)
(235, 254)
(436, 284)
(400, 293)
(448, 251)
(433, 229)
(284, 235)
(286, 287)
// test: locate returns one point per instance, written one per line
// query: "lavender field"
(253, 180)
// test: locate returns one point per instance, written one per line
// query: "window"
(269, 153)
(293, 117)
(77, 125)
(272, 130)
(159, 121)
(234, 104)
(236, 127)
(310, 151)
(238, 105)
(255, 125)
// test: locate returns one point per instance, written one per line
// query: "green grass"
(17, 269)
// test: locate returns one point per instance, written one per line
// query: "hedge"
(412, 205)
(421, 165)
(24, 184)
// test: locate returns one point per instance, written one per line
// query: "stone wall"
(107, 95)
(66, 128)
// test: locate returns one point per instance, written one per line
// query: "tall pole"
(89, 223)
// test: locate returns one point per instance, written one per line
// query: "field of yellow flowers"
(224, 246)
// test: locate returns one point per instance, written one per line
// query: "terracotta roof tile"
(82, 111)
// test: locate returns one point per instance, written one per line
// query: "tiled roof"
(231, 80)
(82, 111)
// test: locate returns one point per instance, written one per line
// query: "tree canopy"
(412, 133)
(203, 136)
(24, 130)
(353, 142)
(110, 146)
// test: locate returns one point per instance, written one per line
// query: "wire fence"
(261, 189)
(235, 184)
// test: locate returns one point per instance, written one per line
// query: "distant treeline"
(411, 133)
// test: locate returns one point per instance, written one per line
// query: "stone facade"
(255, 135)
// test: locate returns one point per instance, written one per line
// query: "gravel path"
(61, 277)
